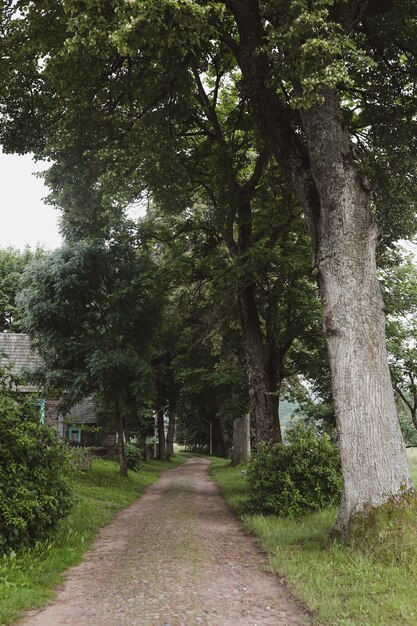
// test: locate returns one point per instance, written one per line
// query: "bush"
(133, 457)
(34, 492)
(293, 479)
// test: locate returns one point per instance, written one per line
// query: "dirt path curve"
(177, 557)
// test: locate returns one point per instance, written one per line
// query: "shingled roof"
(16, 352)
(82, 413)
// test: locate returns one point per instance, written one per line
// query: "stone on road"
(177, 557)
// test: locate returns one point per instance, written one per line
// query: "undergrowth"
(370, 583)
(27, 578)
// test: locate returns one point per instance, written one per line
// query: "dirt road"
(177, 557)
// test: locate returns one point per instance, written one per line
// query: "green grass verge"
(27, 580)
(340, 584)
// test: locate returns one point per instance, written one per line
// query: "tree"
(316, 150)
(304, 70)
(206, 366)
(12, 265)
(90, 309)
(399, 286)
(208, 144)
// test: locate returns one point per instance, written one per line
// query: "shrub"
(34, 492)
(133, 457)
(293, 479)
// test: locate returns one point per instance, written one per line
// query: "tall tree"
(90, 309)
(12, 265)
(316, 150)
(210, 146)
(306, 70)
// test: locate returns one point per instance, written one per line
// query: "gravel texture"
(177, 557)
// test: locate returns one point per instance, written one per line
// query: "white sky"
(24, 218)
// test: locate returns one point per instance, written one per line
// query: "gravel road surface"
(177, 557)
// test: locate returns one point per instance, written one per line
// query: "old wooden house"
(80, 425)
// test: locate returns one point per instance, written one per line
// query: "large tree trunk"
(121, 431)
(219, 443)
(161, 437)
(373, 454)
(336, 199)
(171, 431)
(237, 202)
(262, 405)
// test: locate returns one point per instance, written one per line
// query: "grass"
(342, 585)
(27, 579)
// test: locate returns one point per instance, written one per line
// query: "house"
(80, 424)
(16, 353)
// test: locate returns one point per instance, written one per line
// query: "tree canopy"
(91, 308)
(250, 112)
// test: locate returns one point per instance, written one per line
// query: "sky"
(25, 218)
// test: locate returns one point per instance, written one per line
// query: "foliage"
(34, 492)
(122, 104)
(407, 426)
(133, 457)
(196, 154)
(90, 309)
(398, 278)
(293, 479)
(12, 265)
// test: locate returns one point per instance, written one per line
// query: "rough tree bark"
(162, 456)
(336, 199)
(263, 406)
(121, 431)
(171, 431)
(373, 454)
(241, 439)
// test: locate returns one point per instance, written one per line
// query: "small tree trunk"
(241, 439)
(122, 436)
(218, 437)
(171, 432)
(161, 437)
(413, 411)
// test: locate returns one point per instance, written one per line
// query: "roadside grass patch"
(342, 585)
(27, 579)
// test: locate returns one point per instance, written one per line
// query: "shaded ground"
(177, 557)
